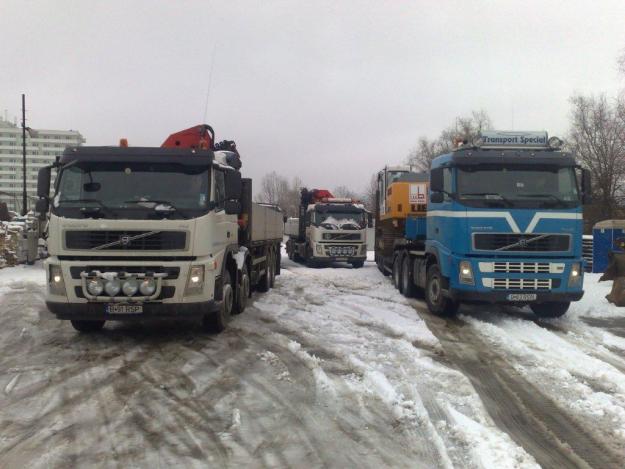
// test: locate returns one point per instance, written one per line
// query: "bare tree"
(275, 189)
(464, 128)
(597, 136)
(344, 192)
(368, 197)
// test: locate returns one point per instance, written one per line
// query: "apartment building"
(42, 147)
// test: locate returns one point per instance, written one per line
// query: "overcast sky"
(330, 91)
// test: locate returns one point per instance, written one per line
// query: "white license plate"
(124, 309)
(522, 297)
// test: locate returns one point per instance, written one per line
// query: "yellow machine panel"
(404, 199)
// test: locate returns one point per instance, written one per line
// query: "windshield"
(515, 186)
(340, 220)
(132, 190)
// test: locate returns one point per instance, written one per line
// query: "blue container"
(605, 233)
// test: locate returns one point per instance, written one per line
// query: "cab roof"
(470, 156)
(184, 156)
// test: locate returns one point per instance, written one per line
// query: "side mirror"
(586, 187)
(369, 220)
(437, 197)
(41, 207)
(234, 185)
(43, 182)
(232, 207)
(436, 180)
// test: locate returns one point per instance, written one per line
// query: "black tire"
(550, 310)
(289, 252)
(397, 272)
(278, 260)
(87, 326)
(218, 320)
(243, 292)
(264, 284)
(438, 303)
(409, 289)
(358, 264)
(272, 269)
(379, 261)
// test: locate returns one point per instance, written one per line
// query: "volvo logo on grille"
(523, 242)
(124, 240)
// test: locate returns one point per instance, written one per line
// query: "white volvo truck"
(328, 229)
(138, 233)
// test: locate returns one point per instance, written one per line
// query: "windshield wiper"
(100, 206)
(170, 207)
(497, 194)
(552, 196)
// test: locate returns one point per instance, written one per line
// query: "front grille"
(166, 293)
(522, 284)
(172, 272)
(521, 242)
(521, 267)
(123, 240)
(342, 236)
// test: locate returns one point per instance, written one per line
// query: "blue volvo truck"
(503, 225)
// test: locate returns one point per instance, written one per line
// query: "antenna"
(210, 81)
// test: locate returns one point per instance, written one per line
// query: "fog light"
(196, 279)
(130, 287)
(465, 274)
(56, 283)
(319, 249)
(112, 287)
(575, 276)
(147, 287)
(95, 286)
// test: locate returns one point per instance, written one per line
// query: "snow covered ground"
(332, 368)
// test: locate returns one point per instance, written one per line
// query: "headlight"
(56, 283)
(95, 286)
(130, 287)
(112, 287)
(575, 276)
(195, 283)
(147, 287)
(465, 274)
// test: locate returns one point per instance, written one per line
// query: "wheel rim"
(227, 299)
(245, 288)
(435, 290)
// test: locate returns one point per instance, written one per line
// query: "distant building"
(42, 147)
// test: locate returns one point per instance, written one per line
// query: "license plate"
(522, 297)
(124, 309)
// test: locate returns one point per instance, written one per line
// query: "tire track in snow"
(517, 406)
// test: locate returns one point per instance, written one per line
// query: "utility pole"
(24, 194)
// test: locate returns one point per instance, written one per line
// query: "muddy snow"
(332, 368)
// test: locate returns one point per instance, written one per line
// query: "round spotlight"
(112, 287)
(147, 287)
(95, 286)
(130, 287)
(554, 142)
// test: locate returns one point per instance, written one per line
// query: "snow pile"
(593, 303)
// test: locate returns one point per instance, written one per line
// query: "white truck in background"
(328, 230)
(167, 232)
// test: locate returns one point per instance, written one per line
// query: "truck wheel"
(397, 272)
(264, 284)
(438, 303)
(218, 320)
(87, 326)
(409, 289)
(379, 261)
(278, 261)
(550, 310)
(243, 292)
(272, 269)
(358, 264)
